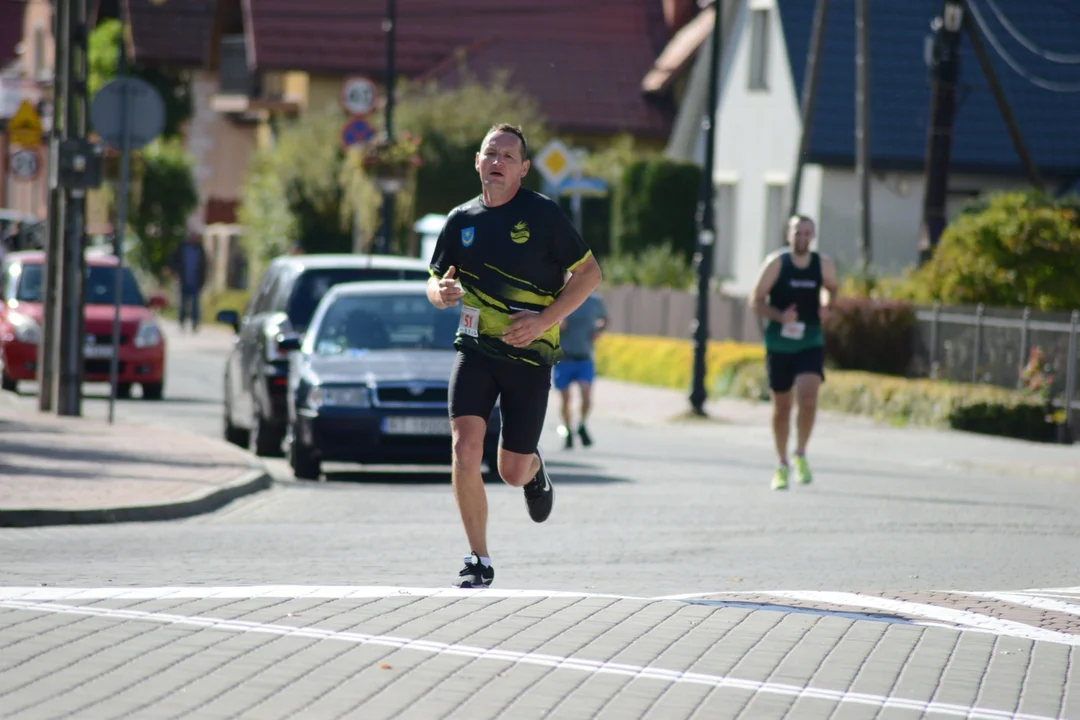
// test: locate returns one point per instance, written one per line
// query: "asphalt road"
(650, 510)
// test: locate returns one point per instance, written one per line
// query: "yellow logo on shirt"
(520, 233)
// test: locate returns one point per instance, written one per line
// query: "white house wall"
(757, 144)
(896, 201)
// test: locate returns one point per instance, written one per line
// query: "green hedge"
(655, 202)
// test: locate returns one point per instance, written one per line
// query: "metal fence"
(966, 344)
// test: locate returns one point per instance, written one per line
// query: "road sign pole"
(118, 245)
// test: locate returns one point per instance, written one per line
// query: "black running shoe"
(539, 494)
(475, 574)
(586, 439)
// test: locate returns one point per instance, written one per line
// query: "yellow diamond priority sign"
(24, 128)
(555, 162)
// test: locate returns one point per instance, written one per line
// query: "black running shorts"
(477, 380)
(783, 368)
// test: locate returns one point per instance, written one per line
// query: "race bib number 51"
(470, 321)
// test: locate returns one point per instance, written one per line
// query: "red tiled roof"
(582, 59)
(175, 33)
(11, 29)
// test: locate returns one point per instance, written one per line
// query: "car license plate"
(404, 425)
(97, 351)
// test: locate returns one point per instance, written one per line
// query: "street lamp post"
(389, 27)
(706, 221)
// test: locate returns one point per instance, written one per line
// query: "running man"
(789, 293)
(577, 336)
(505, 256)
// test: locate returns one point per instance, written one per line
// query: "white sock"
(485, 561)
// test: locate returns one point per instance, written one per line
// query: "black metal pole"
(69, 394)
(390, 27)
(944, 72)
(862, 129)
(118, 231)
(706, 221)
(809, 99)
(50, 320)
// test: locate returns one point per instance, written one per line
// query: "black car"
(256, 374)
(369, 381)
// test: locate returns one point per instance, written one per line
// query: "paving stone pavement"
(383, 652)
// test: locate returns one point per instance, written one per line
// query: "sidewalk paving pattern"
(383, 652)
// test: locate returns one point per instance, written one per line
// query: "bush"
(668, 362)
(656, 202)
(655, 267)
(1016, 250)
(974, 408)
(871, 335)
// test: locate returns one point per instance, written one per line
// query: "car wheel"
(264, 440)
(123, 391)
(233, 434)
(305, 465)
(153, 391)
(8, 384)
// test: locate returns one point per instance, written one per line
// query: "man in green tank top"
(789, 295)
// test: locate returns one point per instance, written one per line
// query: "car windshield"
(355, 323)
(99, 286)
(313, 284)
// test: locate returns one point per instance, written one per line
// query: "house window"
(759, 50)
(774, 216)
(724, 208)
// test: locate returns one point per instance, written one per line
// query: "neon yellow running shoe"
(779, 478)
(802, 470)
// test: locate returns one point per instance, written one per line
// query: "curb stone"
(248, 483)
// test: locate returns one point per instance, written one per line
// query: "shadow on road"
(439, 476)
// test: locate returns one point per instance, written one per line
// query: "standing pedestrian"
(789, 294)
(504, 257)
(578, 334)
(190, 267)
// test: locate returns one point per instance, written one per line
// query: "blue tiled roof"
(900, 85)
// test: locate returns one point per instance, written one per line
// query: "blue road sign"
(356, 132)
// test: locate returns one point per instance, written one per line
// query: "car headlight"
(26, 328)
(148, 335)
(349, 396)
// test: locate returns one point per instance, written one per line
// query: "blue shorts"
(568, 372)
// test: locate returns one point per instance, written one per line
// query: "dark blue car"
(368, 382)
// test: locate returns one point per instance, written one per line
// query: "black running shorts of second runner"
(478, 380)
(783, 368)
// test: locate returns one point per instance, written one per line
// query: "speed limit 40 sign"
(25, 164)
(358, 96)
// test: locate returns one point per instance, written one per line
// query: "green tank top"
(800, 287)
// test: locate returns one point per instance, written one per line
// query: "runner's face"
(499, 162)
(800, 236)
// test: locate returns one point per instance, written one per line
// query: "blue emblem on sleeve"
(467, 236)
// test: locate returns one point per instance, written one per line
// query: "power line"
(1028, 44)
(1016, 67)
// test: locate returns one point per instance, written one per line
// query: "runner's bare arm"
(830, 285)
(759, 298)
(584, 279)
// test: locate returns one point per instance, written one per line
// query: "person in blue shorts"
(577, 335)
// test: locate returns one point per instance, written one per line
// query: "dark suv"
(257, 371)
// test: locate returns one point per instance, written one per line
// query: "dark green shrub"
(871, 335)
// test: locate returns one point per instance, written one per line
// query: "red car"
(142, 345)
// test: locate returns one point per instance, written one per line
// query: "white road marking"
(933, 612)
(1032, 601)
(521, 658)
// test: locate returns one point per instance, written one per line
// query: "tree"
(166, 199)
(1020, 250)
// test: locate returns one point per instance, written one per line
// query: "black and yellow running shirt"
(508, 258)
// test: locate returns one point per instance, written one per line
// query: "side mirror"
(229, 317)
(158, 302)
(289, 342)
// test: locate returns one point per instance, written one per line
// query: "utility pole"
(69, 387)
(706, 221)
(390, 28)
(862, 129)
(809, 100)
(944, 73)
(50, 330)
